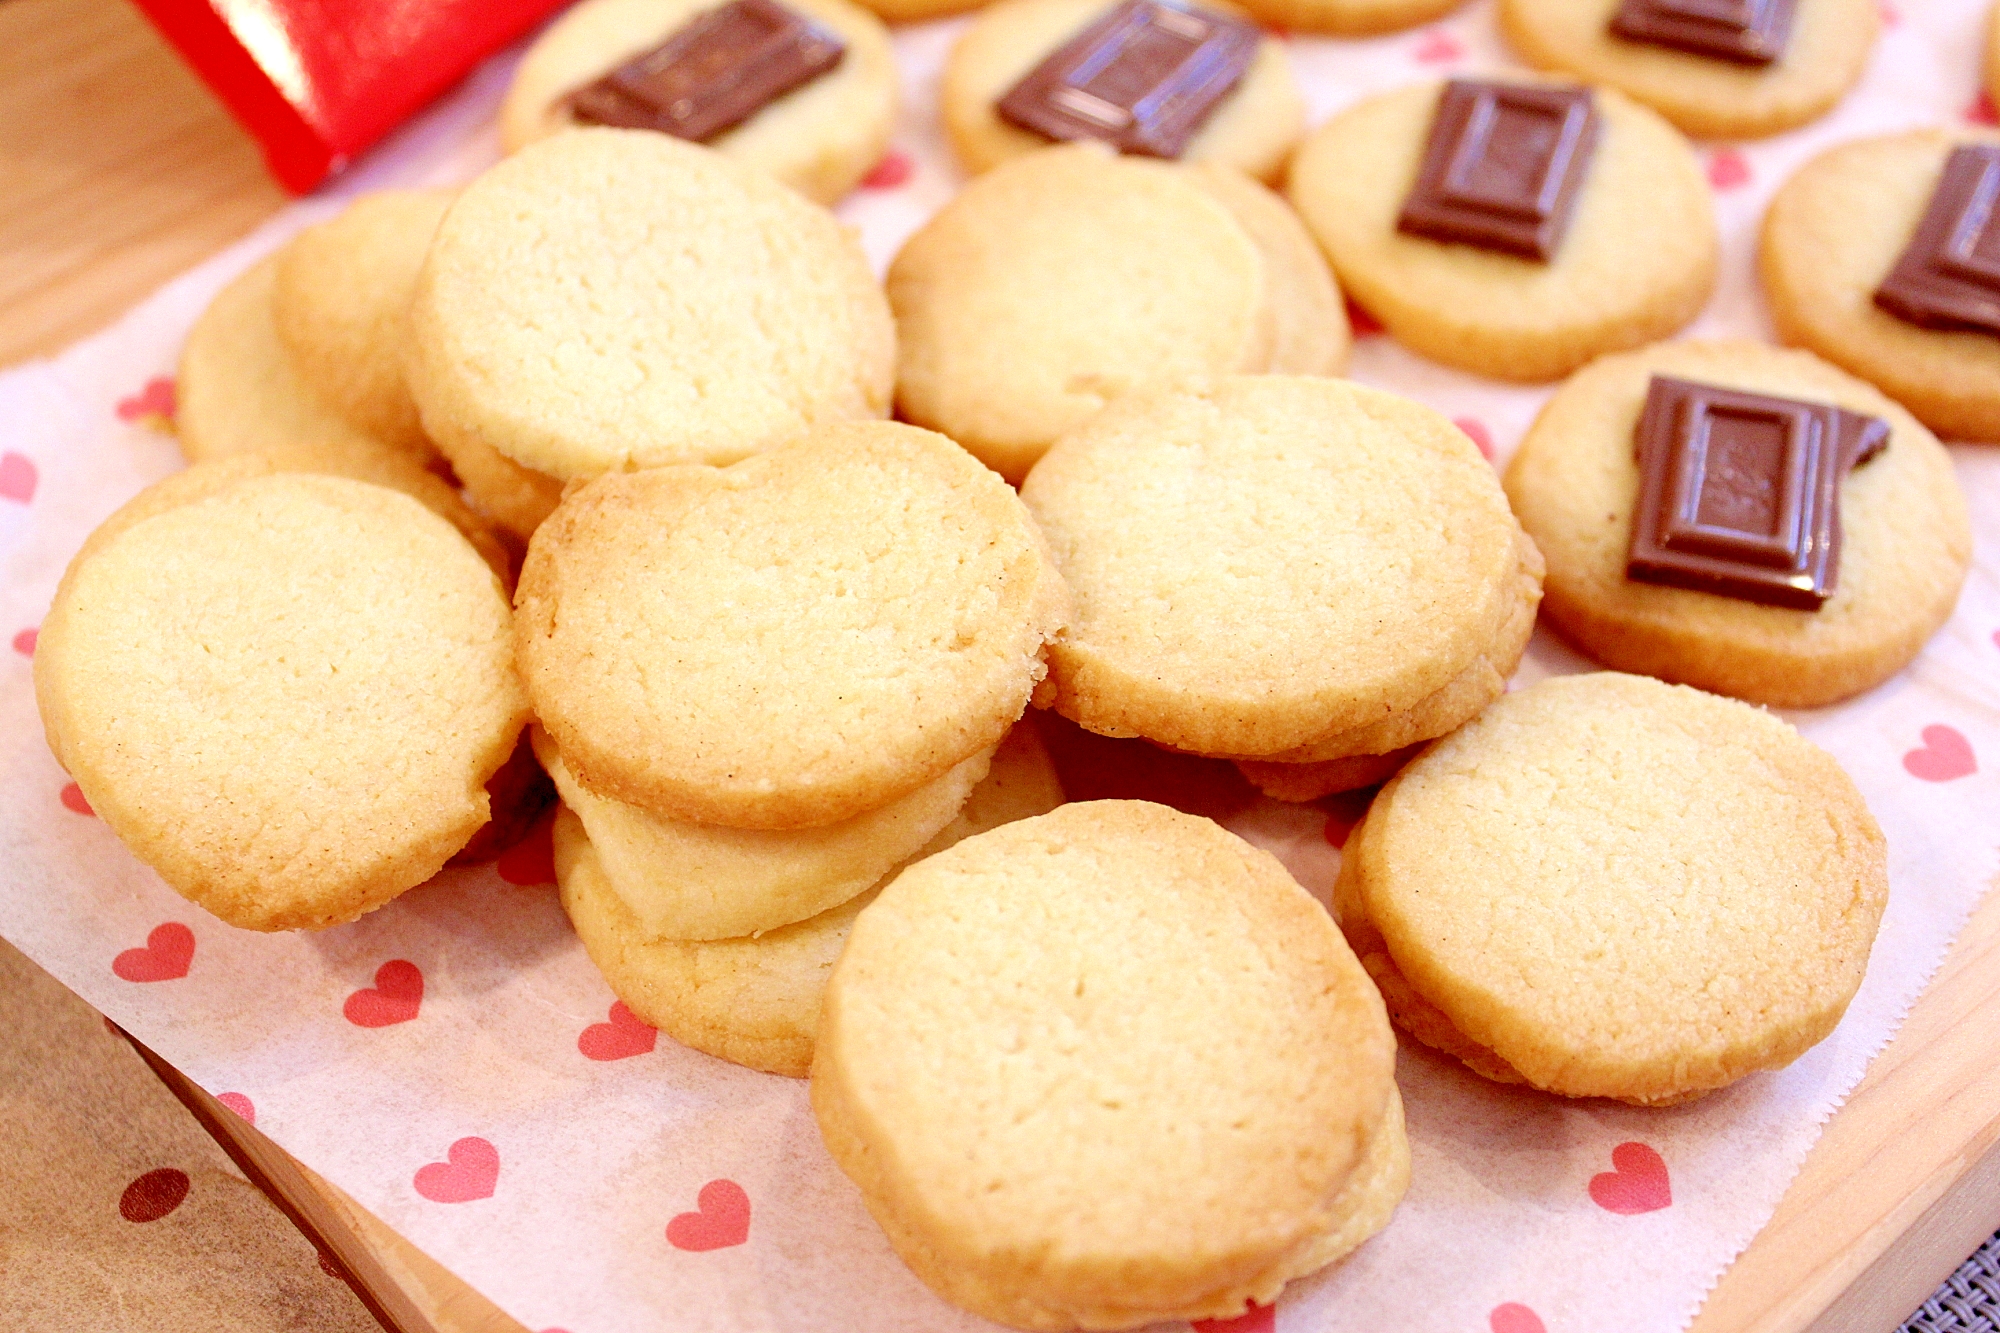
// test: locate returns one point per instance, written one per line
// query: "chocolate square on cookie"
(712, 74)
(1503, 167)
(1747, 32)
(1144, 78)
(1949, 275)
(1740, 492)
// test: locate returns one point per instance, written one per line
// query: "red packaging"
(319, 81)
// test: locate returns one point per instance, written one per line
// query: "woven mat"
(1969, 1300)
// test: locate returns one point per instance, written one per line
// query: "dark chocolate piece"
(1503, 167)
(1739, 493)
(713, 74)
(1747, 32)
(1949, 275)
(1144, 78)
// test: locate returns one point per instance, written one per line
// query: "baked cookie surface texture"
(1905, 540)
(820, 138)
(1635, 260)
(790, 641)
(1251, 129)
(1606, 886)
(1821, 56)
(1005, 1068)
(1831, 236)
(754, 1000)
(610, 298)
(1026, 303)
(329, 667)
(1287, 568)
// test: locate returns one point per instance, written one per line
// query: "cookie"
(607, 299)
(515, 498)
(1106, 1067)
(1904, 544)
(330, 666)
(1024, 305)
(1832, 234)
(755, 1001)
(1635, 260)
(1252, 129)
(1309, 782)
(1606, 886)
(363, 461)
(1711, 98)
(791, 641)
(685, 881)
(1270, 562)
(238, 389)
(339, 300)
(820, 138)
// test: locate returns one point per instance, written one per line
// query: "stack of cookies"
(1304, 575)
(765, 687)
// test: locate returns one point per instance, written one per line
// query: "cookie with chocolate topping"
(805, 89)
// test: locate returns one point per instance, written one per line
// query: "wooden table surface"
(118, 170)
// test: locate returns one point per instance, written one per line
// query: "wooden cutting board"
(118, 171)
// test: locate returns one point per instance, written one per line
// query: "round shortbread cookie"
(1308, 782)
(1905, 538)
(1348, 18)
(820, 138)
(238, 390)
(1252, 129)
(1103, 1067)
(339, 301)
(1309, 332)
(684, 881)
(329, 666)
(755, 1001)
(1024, 304)
(1268, 561)
(1831, 235)
(790, 641)
(363, 461)
(609, 299)
(1619, 888)
(1636, 262)
(1706, 97)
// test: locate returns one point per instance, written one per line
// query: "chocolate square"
(1503, 167)
(1747, 32)
(1949, 275)
(712, 74)
(1144, 78)
(1739, 493)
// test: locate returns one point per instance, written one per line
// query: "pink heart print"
(1945, 755)
(1437, 47)
(532, 860)
(17, 477)
(1476, 431)
(396, 996)
(1256, 1319)
(722, 1219)
(894, 169)
(1637, 1182)
(1514, 1318)
(1982, 111)
(24, 641)
(1728, 168)
(167, 955)
(1363, 324)
(240, 1104)
(155, 402)
(470, 1171)
(73, 800)
(626, 1034)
